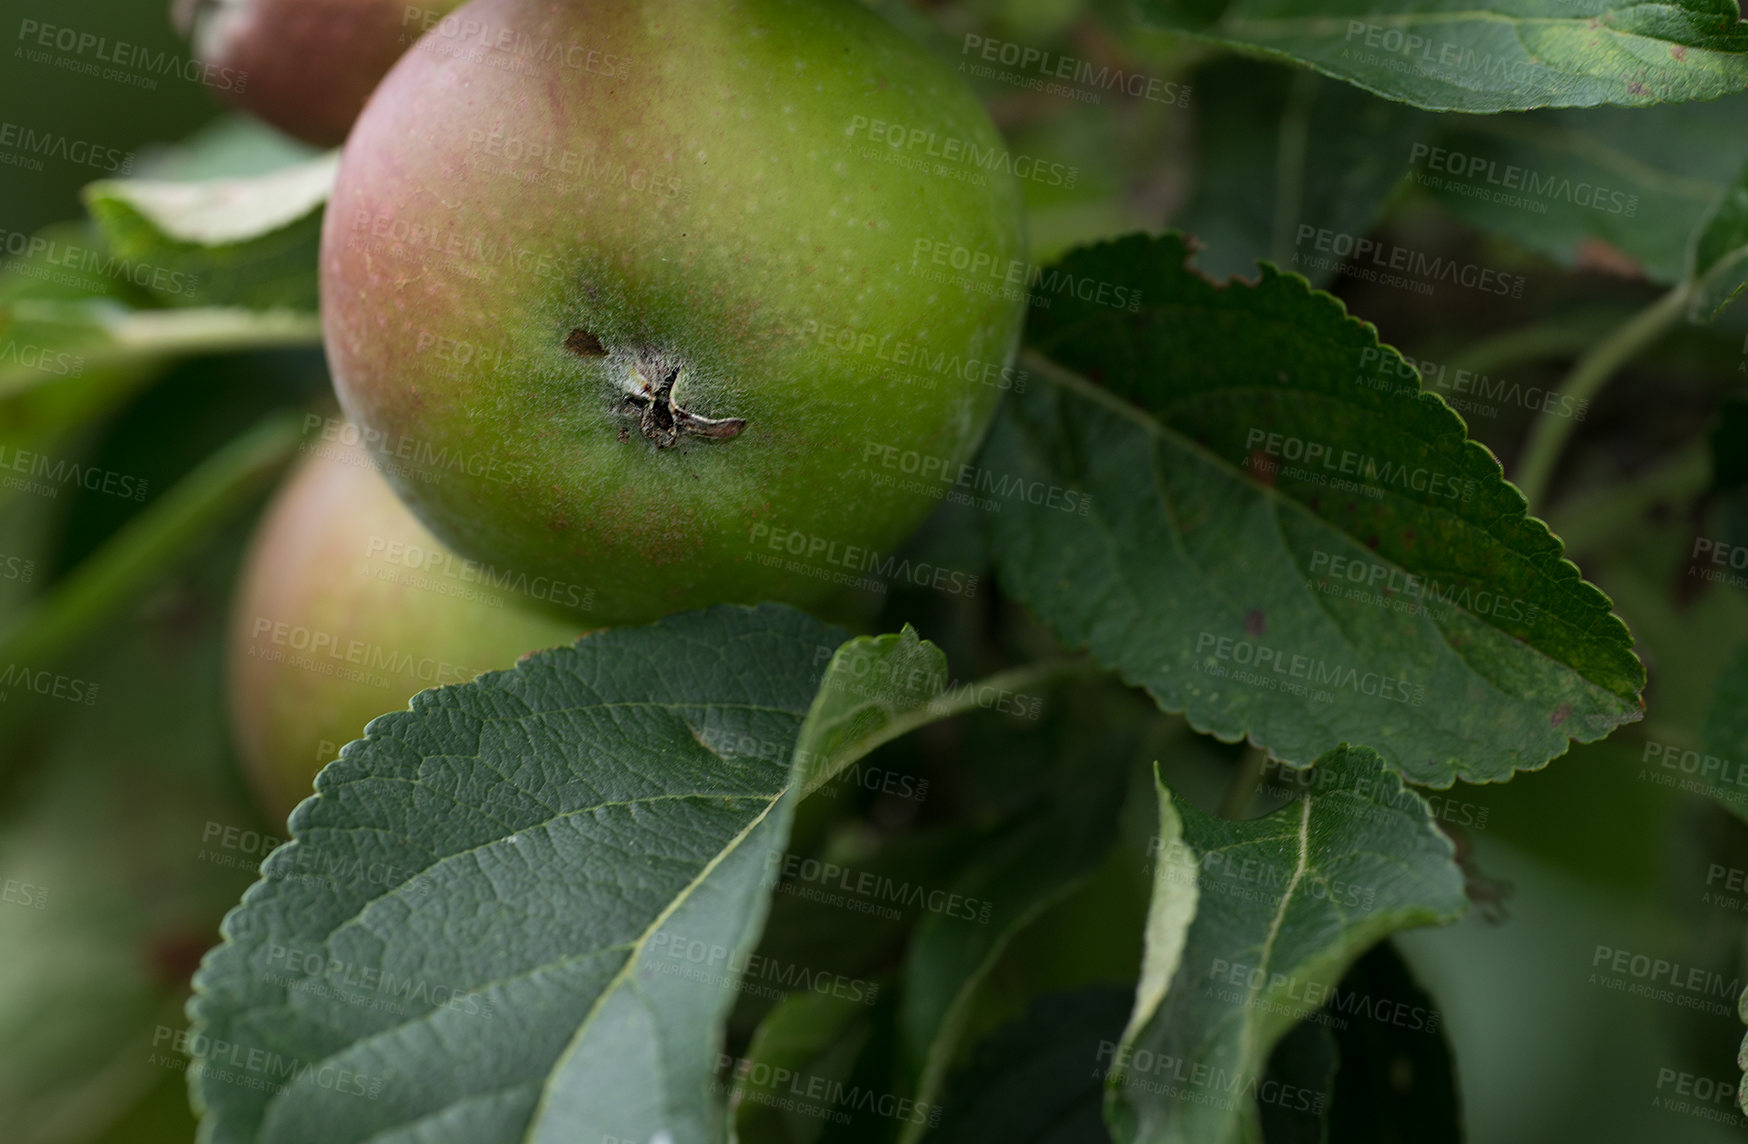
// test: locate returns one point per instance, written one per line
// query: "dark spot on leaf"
(1678, 52)
(1256, 622)
(1372, 543)
(1561, 713)
(584, 344)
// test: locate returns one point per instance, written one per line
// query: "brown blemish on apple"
(584, 344)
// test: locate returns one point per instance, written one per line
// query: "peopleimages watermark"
(1721, 878)
(868, 777)
(466, 253)
(1012, 278)
(438, 570)
(907, 682)
(230, 1063)
(1457, 172)
(1288, 995)
(1391, 264)
(398, 455)
(866, 891)
(1199, 1082)
(51, 260)
(467, 37)
(1705, 774)
(43, 473)
(940, 478)
(1464, 390)
(316, 972)
(1381, 795)
(1239, 876)
(236, 847)
(474, 357)
(1320, 459)
(819, 1097)
(1080, 79)
(921, 143)
(1311, 677)
(243, 849)
(133, 64)
(1722, 554)
(329, 653)
(1656, 978)
(1702, 1097)
(1384, 585)
(22, 145)
(852, 565)
(532, 161)
(56, 363)
(715, 964)
(915, 361)
(16, 569)
(1411, 53)
(879, 780)
(29, 895)
(48, 684)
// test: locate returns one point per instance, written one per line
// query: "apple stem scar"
(663, 420)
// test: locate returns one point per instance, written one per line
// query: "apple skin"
(309, 65)
(659, 185)
(339, 561)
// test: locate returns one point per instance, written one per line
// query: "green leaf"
(1287, 902)
(1717, 257)
(230, 146)
(497, 880)
(807, 1036)
(1024, 871)
(1279, 149)
(1608, 185)
(1511, 55)
(67, 262)
(877, 690)
(534, 831)
(1030, 1081)
(1256, 515)
(85, 358)
(246, 241)
(1171, 908)
(74, 338)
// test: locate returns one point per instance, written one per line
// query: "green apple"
(641, 287)
(346, 608)
(306, 66)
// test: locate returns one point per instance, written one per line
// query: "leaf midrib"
(1165, 434)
